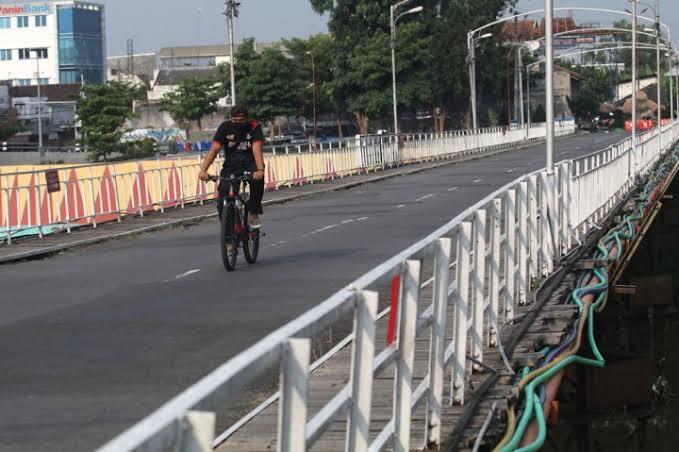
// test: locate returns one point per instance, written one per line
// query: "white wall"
(31, 37)
(625, 89)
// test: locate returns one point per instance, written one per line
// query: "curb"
(48, 251)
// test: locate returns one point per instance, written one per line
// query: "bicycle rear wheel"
(251, 245)
(229, 241)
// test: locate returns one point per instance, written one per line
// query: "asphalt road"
(93, 340)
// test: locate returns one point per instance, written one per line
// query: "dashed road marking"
(400, 206)
(348, 221)
(362, 218)
(478, 180)
(184, 275)
(425, 197)
(453, 188)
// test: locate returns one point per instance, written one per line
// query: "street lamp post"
(313, 88)
(471, 61)
(231, 11)
(38, 53)
(392, 21)
(634, 83)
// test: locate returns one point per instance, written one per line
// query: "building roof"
(53, 93)
(207, 51)
(172, 77)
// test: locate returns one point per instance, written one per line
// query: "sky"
(159, 23)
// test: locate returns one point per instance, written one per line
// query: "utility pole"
(471, 61)
(634, 84)
(38, 53)
(130, 56)
(313, 85)
(230, 11)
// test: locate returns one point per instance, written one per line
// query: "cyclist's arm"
(259, 154)
(209, 158)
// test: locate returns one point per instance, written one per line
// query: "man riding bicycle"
(242, 141)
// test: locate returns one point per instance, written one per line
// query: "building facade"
(52, 42)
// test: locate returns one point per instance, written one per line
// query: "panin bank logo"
(27, 8)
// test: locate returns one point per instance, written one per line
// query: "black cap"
(239, 110)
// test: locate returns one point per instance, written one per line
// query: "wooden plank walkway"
(259, 435)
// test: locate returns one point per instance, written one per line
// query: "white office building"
(52, 42)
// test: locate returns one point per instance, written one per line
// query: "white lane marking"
(400, 206)
(478, 180)
(362, 218)
(320, 230)
(188, 273)
(453, 188)
(328, 227)
(348, 221)
(425, 197)
(511, 170)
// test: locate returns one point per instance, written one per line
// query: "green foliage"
(597, 87)
(7, 130)
(103, 110)
(193, 99)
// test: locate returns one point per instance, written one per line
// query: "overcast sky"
(158, 23)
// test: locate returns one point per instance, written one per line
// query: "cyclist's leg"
(256, 193)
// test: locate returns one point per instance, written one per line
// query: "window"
(5, 22)
(40, 53)
(5, 54)
(40, 21)
(22, 22)
(44, 81)
(24, 82)
(24, 54)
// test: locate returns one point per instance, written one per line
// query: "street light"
(231, 11)
(393, 20)
(313, 84)
(471, 60)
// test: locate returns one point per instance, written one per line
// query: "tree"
(103, 111)
(362, 57)
(595, 89)
(192, 100)
(273, 87)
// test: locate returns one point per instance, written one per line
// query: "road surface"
(95, 339)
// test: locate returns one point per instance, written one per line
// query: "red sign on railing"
(52, 181)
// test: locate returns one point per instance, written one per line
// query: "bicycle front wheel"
(251, 245)
(229, 241)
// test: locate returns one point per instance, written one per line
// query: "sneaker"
(255, 222)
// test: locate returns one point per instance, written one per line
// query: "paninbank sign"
(25, 9)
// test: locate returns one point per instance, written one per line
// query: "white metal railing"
(93, 194)
(511, 234)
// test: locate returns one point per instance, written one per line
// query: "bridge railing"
(600, 179)
(94, 194)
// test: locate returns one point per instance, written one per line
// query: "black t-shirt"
(237, 138)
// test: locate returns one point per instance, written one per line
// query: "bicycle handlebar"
(245, 177)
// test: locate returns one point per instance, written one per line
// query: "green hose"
(626, 230)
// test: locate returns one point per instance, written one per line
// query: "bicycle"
(235, 230)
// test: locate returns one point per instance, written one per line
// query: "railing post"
(162, 191)
(510, 253)
(494, 279)
(292, 408)
(181, 181)
(116, 193)
(479, 285)
(523, 243)
(8, 209)
(546, 236)
(197, 432)
(403, 390)
(94, 207)
(437, 346)
(461, 311)
(363, 353)
(566, 202)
